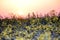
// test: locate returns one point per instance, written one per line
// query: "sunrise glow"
(23, 7)
(29, 19)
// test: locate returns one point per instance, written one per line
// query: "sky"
(23, 7)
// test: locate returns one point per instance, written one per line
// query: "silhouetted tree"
(34, 16)
(37, 16)
(47, 15)
(52, 13)
(28, 15)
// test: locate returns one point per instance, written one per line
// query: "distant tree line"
(50, 14)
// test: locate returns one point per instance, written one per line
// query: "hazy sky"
(23, 7)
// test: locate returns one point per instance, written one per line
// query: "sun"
(19, 12)
(23, 7)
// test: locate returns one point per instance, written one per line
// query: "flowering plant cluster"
(44, 28)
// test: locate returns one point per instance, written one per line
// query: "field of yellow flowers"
(47, 28)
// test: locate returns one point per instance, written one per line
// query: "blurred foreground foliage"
(47, 28)
(30, 29)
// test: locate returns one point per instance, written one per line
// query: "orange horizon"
(23, 7)
(50, 14)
